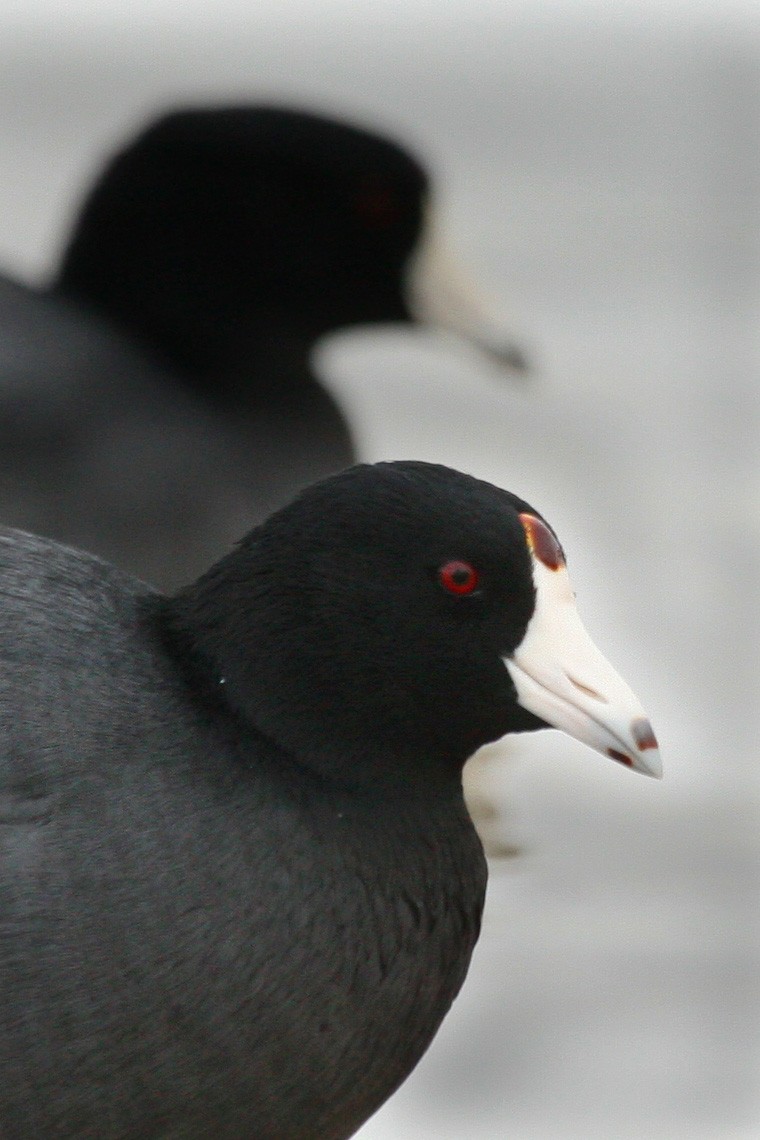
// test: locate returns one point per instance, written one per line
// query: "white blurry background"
(599, 163)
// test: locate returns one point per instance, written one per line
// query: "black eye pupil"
(458, 577)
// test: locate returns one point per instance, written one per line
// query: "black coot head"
(374, 612)
(397, 616)
(213, 218)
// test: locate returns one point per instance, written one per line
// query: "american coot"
(158, 399)
(240, 888)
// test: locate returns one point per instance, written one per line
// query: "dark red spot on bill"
(620, 757)
(543, 545)
(643, 735)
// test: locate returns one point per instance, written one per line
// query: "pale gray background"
(598, 163)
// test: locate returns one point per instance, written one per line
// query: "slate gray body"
(104, 448)
(197, 937)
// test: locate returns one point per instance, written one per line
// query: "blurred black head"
(215, 222)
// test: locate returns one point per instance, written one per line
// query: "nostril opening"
(587, 690)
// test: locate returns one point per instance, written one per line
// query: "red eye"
(377, 205)
(458, 577)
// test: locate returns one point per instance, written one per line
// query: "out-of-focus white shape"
(441, 291)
